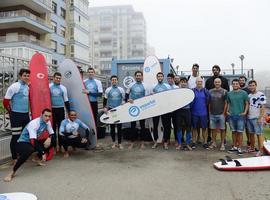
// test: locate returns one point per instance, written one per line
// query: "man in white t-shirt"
(257, 101)
(193, 76)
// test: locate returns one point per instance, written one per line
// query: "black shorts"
(18, 121)
(183, 118)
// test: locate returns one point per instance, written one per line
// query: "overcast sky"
(206, 32)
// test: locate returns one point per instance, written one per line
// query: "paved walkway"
(137, 175)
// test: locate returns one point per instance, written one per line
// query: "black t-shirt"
(209, 84)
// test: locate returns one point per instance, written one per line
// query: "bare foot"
(38, 162)
(178, 147)
(114, 146)
(130, 146)
(66, 154)
(9, 177)
(189, 148)
(142, 146)
(121, 146)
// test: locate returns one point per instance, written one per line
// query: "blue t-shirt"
(136, 90)
(69, 126)
(19, 94)
(199, 104)
(115, 96)
(58, 95)
(94, 86)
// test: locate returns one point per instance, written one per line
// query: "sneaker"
(232, 150)
(205, 146)
(239, 152)
(222, 148)
(193, 146)
(251, 150)
(155, 145)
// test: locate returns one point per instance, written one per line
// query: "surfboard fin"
(113, 110)
(228, 159)
(105, 118)
(223, 162)
(116, 122)
(238, 164)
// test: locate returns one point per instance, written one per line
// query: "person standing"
(256, 112)
(135, 91)
(217, 112)
(199, 111)
(237, 110)
(114, 96)
(16, 101)
(93, 90)
(59, 100)
(195, 74)
(165, 118)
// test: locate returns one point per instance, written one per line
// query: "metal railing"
(24, 38)
(24, 13)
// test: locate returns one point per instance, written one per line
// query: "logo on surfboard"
(40, 75)
(68, 74)
(147, 69)
(134, 111)
(127, 81)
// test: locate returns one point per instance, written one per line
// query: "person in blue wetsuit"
(135, 91)
(160, 87)
(114, 96)
(16, 101)
(93, 90)
(34, 138)
(69, 131)
(59, 100)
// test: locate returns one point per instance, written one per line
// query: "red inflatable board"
(39, 90)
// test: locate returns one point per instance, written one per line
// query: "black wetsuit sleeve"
(104, 102)
(67, 104)
(126, 97)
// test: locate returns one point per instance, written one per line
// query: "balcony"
(24, 40)
(40, 6)
(25, 19)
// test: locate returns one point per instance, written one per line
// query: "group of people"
(214, 105)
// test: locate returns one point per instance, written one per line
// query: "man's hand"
(44, 157)
(47, 142)
(105, 110)
(260, 120)
(130, 100)
(243, 114)
(85, 91)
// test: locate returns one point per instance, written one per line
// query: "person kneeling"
(30, 141)
(70, 135)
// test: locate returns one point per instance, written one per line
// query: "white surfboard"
(266, 146)
(149, 106)
(243, 164)
(72, 80)
(17, 196)
(151, 67)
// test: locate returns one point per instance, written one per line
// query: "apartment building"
(25, 27)
(115, 32)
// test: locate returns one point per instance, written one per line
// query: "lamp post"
(242, 63)
(177, 67)
(233, 72)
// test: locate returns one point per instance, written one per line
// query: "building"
(59, 34)
(25, 27)
(78, 32)
(115, 32)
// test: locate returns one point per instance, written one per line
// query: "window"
(72, 48)
(54, 7)
(54, 26)
(54, 62)
(71, 33)
(63, 31)
(79, 18)
(54, 45)
(63, 13)
(62, 49)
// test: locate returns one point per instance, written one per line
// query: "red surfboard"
(39, 91)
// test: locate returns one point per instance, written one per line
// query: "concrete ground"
(136, 174)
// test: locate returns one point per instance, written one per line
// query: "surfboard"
(39, 91)
(266, 146)
(18, 196)
(72, 80)
(243, 164)
(149, 106)
(151, 67)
